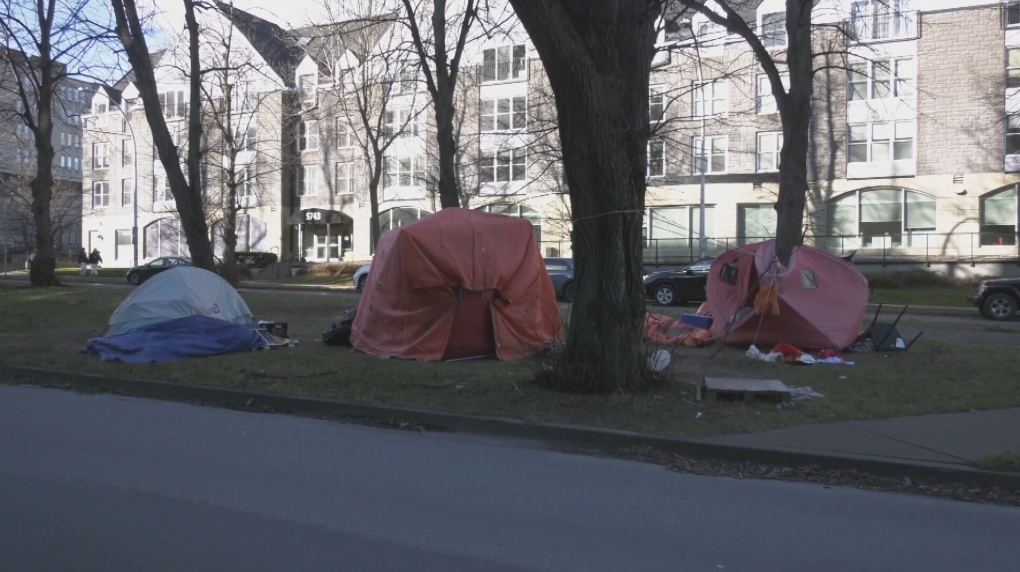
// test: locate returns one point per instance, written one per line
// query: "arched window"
(397, 217)
(252, 235)
(520, 211)
(163, 237)
(874, 218)
(999, 216)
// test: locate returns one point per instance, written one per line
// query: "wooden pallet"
(746, 390)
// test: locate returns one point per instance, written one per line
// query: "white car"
(360, 277)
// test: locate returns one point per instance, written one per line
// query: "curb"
(548, 433)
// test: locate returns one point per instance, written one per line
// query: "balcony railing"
(882, 25)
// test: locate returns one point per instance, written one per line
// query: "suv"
(997, 299)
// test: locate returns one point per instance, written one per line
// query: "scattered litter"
(659, 361)
(799, 393)
(698, 416)
(836, 360)
(842, 377)
(754, 353)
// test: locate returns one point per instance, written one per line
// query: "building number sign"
(313, 216)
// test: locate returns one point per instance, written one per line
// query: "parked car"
(997, 299)
(561, 272)
(360, 277)
(670, 287)
(143, 272)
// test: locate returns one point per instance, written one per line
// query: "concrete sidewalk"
(944, 438)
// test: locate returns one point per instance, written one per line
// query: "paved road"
(111, 483)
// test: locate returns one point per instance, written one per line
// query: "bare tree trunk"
(598, 56)
(373, 202)
(43, 269)
(449, 185)
(188, 197)
(795, 114)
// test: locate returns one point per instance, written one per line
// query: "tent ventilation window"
(807, 279)
(728, 274)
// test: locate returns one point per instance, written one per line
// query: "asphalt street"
(107, 483)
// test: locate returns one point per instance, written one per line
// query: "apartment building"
(914, 151)
(18, 158)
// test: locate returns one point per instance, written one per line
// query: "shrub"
(903, 279)
(334, 269)
(255, 259)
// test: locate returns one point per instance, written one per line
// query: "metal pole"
(134, 182)
(702, 242)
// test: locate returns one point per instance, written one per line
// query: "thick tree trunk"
(597, 55)
(795, 114)
(449, 186)
(42, 272)
(373, 202)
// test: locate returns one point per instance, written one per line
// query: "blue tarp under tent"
(192, 336)
(180, 313)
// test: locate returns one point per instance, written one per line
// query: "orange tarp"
(435, 283)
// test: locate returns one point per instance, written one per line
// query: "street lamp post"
(134, 182)
(702, 241)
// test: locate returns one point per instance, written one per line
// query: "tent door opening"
(471, 334)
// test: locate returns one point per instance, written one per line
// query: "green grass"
(49, 328)
(926, 296)
(1008, 461)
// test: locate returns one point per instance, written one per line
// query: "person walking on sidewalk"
(83, 261)
(95, 259)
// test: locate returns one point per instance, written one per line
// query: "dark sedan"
(561, 272)
(670, 287)
(141, 273)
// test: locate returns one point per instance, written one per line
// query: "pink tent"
(818, 302)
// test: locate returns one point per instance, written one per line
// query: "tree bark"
(449, 185)
(795, 115)
(188, 195)
(597, 55)
(42, 272)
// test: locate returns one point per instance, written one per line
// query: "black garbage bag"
(340, 334)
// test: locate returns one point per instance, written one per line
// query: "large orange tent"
(459, 283)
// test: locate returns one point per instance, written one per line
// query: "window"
(998, 217)
(161, 189)
(756, 222)
(656, 157)
(656, 106)
(881, 20)
(519, 211)
(769, 146)
(504, 63)
(127, 192)
(407, 81)
(404, 172)
(308, 135)
(100, 156)
(880, 79)
(715, 149)
(100, 194)
(880, 217)
(710, 98)
(163, 238)
(173, 104)
(1013, 135)
(503, 166)
(307, 180)
(126, 155)
(1013, 64)
(101, 106)
(306, 85)
(398, 217)
(503, 114)
(708, 31)
(344, 178)
(123, 245)
(878, 142)
(399, 123)
(246, 136)
(344, 138)
(773, 30)
(246, 183)
(673, 231)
